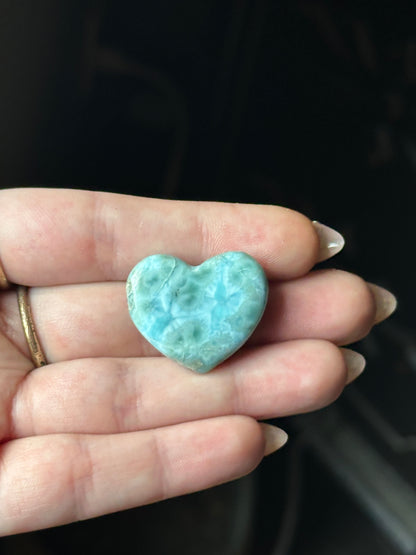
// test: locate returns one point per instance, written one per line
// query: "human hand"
(110, 424)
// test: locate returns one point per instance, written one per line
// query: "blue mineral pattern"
(197, 315)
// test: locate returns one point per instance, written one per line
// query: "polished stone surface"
(197, 315)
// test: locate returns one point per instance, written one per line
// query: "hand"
(109, 424)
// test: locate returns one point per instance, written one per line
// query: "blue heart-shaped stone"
(197, 315)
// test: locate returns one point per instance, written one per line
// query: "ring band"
(36, 352)
(4, 284)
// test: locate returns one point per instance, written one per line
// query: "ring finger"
(109, 395)
(91, 320)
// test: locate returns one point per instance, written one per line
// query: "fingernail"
(274, 438)
(355, 363)
(331, 242)
(386, 302)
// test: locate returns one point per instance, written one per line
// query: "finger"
(94, 475)
(92, 320)
(50, 237)
(327, 304)
(13, 368)
(120, 395)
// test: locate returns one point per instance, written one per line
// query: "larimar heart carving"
(197, 315)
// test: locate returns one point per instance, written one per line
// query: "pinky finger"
(55, 479)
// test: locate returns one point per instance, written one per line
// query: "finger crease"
(162, 464)
(82, 479)
(103, 236)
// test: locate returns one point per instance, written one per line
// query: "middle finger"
(92, 320)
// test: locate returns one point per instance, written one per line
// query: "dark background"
(307, 104)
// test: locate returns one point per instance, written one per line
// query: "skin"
(109, 424)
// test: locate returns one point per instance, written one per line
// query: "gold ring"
(36, 352)
(4, 284)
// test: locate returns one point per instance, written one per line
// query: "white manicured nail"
(386, 302)
(355, 363)
(331, 242)
(274, 437)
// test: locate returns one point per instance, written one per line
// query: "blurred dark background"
(309, 104)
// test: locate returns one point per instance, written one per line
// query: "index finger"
(51, 236)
